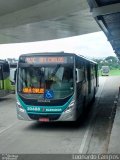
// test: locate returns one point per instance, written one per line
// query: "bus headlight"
(70, 107)
(20, 107)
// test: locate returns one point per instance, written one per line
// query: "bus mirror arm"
(76, 75)
(77, 79)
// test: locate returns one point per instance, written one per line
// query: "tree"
(110, 61)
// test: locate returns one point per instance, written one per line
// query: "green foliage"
(110, 61)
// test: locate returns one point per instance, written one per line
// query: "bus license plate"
(44, 119)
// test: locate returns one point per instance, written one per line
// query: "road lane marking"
(85, 138)
(7, 127)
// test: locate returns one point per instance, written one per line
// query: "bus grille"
(51, 116)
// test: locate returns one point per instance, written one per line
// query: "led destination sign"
(42, 60)
(49, 60)
(33, 90)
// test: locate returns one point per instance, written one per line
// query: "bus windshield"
(34, 81)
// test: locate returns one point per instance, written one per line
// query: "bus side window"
(6, 71)
(80, 71)
(0, 72)
(80, 74)
(92, 72)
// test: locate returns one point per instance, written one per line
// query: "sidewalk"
(114, 144)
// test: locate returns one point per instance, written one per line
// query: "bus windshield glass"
(36, 81)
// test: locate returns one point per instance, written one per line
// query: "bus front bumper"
(65, 116)
(69, 114)
(22, 114)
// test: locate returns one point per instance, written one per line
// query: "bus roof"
(3, 61)
(105, 66)
(47, 54)
(13, 65)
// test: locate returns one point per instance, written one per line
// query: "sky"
(93, 45)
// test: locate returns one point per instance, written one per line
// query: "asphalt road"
(90, 136)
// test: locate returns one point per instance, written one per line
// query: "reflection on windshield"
(35, 81)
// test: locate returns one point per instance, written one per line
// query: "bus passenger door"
(80, 84)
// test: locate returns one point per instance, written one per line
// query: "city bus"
(13, 67)
(5, 85)
(54, 86)
(105, 70)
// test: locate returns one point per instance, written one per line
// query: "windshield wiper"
(55, 70)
